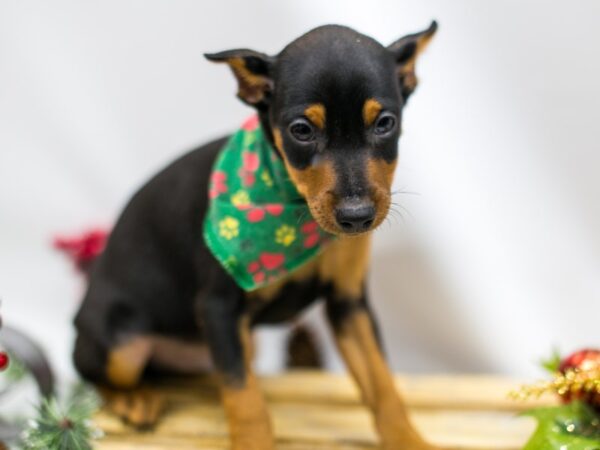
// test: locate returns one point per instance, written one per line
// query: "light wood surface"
(317, 411)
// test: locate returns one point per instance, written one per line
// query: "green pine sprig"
(552, 364)
(65, 426)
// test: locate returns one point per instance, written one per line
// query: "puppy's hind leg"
(120, 378)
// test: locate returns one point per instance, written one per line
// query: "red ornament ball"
(3, 360)
(586, 360)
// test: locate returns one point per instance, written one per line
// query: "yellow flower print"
(240, 198)
(249, 139)
(285, 235)
(266, 178)
(229, 227)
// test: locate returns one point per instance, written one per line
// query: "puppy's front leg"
(228, 333)
(355, 333)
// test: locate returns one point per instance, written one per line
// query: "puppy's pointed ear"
(253, 71)
(405, 51)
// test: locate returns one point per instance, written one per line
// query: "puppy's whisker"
(302, 217)
(395, 205)
(402, 192)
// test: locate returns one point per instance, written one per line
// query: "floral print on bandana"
(257, 225)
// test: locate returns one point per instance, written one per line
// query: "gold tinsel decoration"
(575, 383)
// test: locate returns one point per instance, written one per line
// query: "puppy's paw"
(140, 408)
(395, 429)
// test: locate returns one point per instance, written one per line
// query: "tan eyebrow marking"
(316, 114)
(371, 110)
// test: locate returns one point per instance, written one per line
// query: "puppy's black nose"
(355, 214)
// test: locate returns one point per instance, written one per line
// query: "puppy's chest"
(339, 270)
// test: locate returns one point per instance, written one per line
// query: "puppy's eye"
(384, 124)
(302, 130)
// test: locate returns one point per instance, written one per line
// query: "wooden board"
(318, 411)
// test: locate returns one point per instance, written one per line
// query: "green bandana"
(257, 225)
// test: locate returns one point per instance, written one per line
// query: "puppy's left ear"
(253, 71)
(405, 51)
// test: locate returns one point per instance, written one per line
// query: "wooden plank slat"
(320, 411)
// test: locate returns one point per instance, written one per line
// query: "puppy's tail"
(84, 248)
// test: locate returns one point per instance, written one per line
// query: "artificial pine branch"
(64, 427)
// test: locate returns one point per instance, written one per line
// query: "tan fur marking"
(315, 183)
(345, 264)
(127, 362)
(360, 350)
(316, 114)
(251, 87)
(407, 71)
(381, 176)
(245, 407)
(278, 140)
(371, 110)
(141, 407)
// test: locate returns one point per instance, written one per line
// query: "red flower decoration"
(85, 248)
(4, 360)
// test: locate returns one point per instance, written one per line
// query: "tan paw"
(140, 408)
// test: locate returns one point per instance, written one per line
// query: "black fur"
(156, 275)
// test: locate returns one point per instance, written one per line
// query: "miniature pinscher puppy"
(330, 104)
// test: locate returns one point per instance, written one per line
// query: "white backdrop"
(500, 260)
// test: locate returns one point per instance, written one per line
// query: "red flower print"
(254, 266)
(258, 277)
(250, 161)
(311, 240)
(309, 227)
(217, 184)
(255, 215)
(274, 209)
(271, 261)
(248, 178)
(218, 176)
(251, 123)
(267, 268)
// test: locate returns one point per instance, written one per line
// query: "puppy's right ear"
(405, 51)
(253, 71)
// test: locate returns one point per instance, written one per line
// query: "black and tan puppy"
(331, 106)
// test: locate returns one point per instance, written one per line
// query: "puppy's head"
(331, 103)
